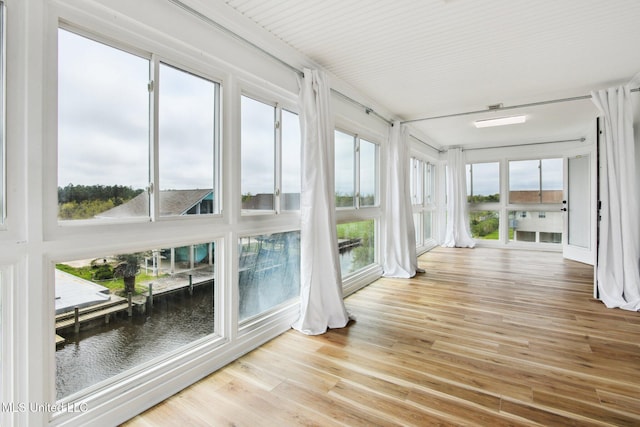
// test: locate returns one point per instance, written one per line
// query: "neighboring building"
(172, 203)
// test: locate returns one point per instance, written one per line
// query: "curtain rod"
(427, 144)
(511, 107)
(238, 37)
(366, 109)
(530, 143)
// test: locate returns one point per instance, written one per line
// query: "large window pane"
(269, 271)
(427, 228)
(187, 138)
(416, 181)
(417, 225)
(535, 226)
(290, 161)
(484, 224)
(258, 155)
(103, 130)
(524, 181)
(368, 175)
(483, 182)
(356, 245)
(172, 304)
(429, 184)
(552, 180)
(345, 169)
(536, 181)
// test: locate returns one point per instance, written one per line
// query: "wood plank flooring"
(485, 337)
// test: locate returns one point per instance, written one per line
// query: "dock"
(83, 318)
(99, 312)
(344, 244)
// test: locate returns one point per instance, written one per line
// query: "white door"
(579, 207)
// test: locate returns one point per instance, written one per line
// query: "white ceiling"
(425, 58)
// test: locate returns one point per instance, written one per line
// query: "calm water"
(346, 261)
(102, 352)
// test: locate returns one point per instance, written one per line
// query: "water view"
(99, 353)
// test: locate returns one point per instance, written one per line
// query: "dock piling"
(76, 319)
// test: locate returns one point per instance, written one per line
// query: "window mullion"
(356, 170)
(154, 157)
(278, 158)
(540, 181)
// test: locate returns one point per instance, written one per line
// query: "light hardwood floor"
(485, 337)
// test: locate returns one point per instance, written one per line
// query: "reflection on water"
(102, 352)
(346, 261)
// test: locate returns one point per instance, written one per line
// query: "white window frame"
(278, 105)
(423, 180)
(356, 171)
(153, 127)
(3, 115)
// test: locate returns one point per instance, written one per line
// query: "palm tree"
(127, 267)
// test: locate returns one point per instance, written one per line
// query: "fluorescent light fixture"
(500, 121)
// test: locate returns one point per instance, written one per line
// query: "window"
(104, 161)
(258, 155)
(290, 161)
(484, 224)
(368, 185)
(416, 181)
(356, 186)
(356, 171)
(540, 227)
(430, 185)
(356, 245)
(345, 170)
(483, 187)
(118, 311)
(103, 138)
(269, 272)
(536, 181)
(270, 157)
(422, 189)
(188, 138)
(483, 182)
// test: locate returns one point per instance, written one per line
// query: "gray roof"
(172, 202)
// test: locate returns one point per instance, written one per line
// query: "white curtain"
(400, 240)
(458, 234)
(321, 298)
(618, 272)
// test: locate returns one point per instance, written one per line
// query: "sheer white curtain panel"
(399, 256)
(458, 234)
(618, 273)
(321, 297)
